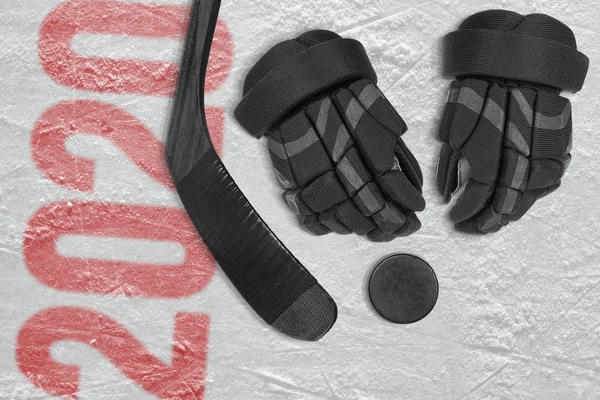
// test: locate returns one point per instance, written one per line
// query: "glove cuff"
(293, 72)
(501, 44)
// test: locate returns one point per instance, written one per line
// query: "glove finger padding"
(506, 132)
(336, 146)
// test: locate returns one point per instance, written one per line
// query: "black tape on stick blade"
(273, 282)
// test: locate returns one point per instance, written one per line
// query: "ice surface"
(519, 311)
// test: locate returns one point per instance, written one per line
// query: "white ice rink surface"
(518, 316)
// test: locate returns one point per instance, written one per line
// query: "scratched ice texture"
(518, 315)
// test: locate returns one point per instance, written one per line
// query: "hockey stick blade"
(273, 282)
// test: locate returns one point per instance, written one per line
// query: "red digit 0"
(156, 78)
(102, 276)
(183, 379)
(69, 118)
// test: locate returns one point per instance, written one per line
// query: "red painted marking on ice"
(73, 274)
(98, 74)
(69, 118)
(183, 379)
(215, 121)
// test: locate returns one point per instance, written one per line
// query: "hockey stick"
(267, 275)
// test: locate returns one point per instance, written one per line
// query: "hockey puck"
(403, 289)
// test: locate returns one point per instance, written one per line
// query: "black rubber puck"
(403, 289)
